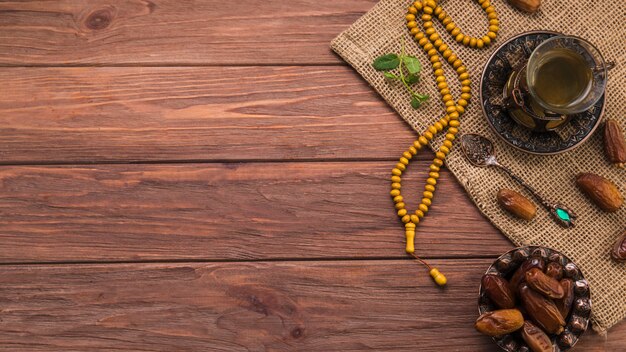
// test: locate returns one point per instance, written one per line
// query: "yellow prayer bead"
(490, 10)
(444, 149)
(429, 31)
(462, 102)
(439, 72)
(455, 32)
(430, 3)
(412, 150)
(446, 98)
(402, 212)
(454, 123)
(487, 40)
(415, 219)
(423, 41)
(410, 17)
(426, 17)
(396, 185)
(491, 35)
(428, 135)
(409, 226)
(459, 37)
(427, 202)
(464, 75)
(406, 218)
(442, 15)
(440, 79)
(450, 136)
(398, 199)
(457, 63)
(404, 161)
(446, 54)
(446, 21)
(432, 52)
(417, 145)
(452, 58)
(432, 129)
(438, 10)
(419, 36)
(434, 59)
(492, 16)
(412, 10)
(465, 96)
(451, 109)
(438, 162)
(429, 188)
(480, 43)
(440, 155)
(417, 4)
(396, 172)
(400, 205)
(401, 167)
(394, 192)
(494, 29)
(438, 43)
(396, 179)
(419, 213)
(494, 22)
(412, 24)
(443, 47)
(472, 42)
(423, 207)
(427, 24)
(466, 82)
(444, 91)
(407, 155)
(442, 85)
(449, 103)
(450, 26)
(453, 130)
(414, 31)
(438, 126)
(447, 143)
(453, 116)
(460, 109)
(436, 65)
(433, 37)
(428, 10)
(428, 47)
(431, 181)
(423, 140)
(428, 194)
(461, 69)
(466, 89)
(466, 40)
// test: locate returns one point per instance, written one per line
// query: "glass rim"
(594, 52)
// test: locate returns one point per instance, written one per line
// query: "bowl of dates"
(534, 299)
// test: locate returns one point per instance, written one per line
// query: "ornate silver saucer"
(495, 79)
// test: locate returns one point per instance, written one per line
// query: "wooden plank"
(77, 115)
(287, 306)
(228, 211)
(139, 32)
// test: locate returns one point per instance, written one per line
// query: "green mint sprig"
(406, 68)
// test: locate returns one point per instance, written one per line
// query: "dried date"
(542, 310)
(544, 284)
(536, 339)
(499, 322)
(498, 290)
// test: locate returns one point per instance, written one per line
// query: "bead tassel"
(433, 45)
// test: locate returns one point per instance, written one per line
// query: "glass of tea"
(566, 75)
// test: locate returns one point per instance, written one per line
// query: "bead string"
(434, 46)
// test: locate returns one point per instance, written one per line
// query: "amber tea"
(561, 78)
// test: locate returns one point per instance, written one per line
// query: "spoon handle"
(563, 215)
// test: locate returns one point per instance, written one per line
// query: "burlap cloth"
(601, 22)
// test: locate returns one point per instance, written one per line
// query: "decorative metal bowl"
(509, 56)
(578, 318)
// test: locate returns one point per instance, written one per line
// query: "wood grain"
(288, 306)
(228, 212)
(181, 32)
(89, 115)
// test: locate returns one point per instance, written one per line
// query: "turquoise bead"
(562, 214)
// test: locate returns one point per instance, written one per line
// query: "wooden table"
(208, 175)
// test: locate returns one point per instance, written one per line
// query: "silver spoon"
(480, 152)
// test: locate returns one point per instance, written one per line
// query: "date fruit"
(544, 284)
(619, 249)
(542, 310)
(554, 270)
(614, 143)
(499, 322)
(564, 305)
(520, 274)
(516, 204)
(497, 289)
(535, 338)
(529, 6)
(601, 191)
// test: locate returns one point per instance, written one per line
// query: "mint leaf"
(386, 62)
(415, 102)
(422, 97)
(412, 64)
(390, 75)
(411, 79)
